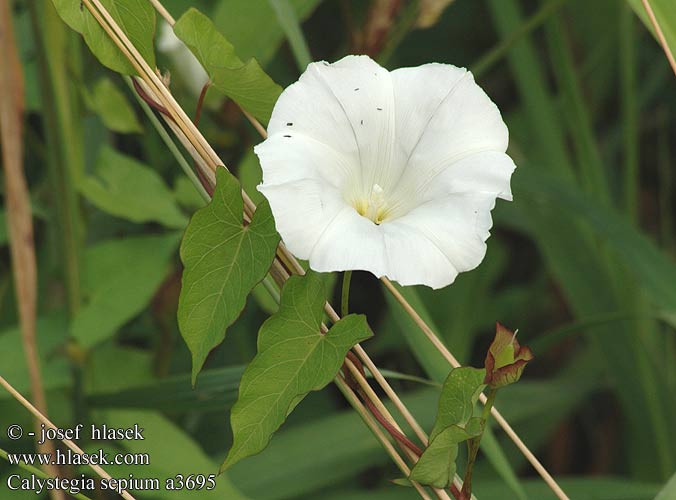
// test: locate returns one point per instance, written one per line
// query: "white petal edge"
(293, 156)
(487, 173)
(456, 226)
(429, 246)
(302, 211)
(463, 123)
(352, 242)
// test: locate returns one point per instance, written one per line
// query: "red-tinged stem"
(393, 431)
(149, 100)
(200, 103)
(356, 362)
(398, 436)
(205, 182)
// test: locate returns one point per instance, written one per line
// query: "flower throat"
(374, 207)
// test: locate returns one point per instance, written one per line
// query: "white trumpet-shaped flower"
(395, 173)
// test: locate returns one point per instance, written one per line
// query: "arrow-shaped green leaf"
(293, 358)
(135, 17)
(436, 466)
(223, 261)
(246, 83)
(454, 424)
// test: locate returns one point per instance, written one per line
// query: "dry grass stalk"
(49, 425)
(19, 218)
(660, 35)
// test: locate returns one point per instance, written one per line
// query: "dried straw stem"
(546, 476)
(353, 399)
(49, 425)
(660, 35)
(19, 217)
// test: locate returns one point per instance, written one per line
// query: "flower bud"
(506, 359)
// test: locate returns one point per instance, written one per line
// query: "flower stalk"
(345, 293)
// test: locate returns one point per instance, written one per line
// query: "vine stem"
(209, 158)
(379, 410)
(200, 103)
(546, 476)
(385, 418)
(373, 426)
(48, 423)
(183, 163)
(473, 445)
(345, 294)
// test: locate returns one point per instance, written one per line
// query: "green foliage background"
(582, 261)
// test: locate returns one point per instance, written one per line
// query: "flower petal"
(429, 246)
(488, 172)
(445, 129)
(347, 105)
(457, 226)
(350, 241)
(309, 107)
(414, 259)
(294, 156)
(414, 108)
(302, 209)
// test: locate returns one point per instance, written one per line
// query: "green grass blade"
(580, 127)
(288, 20)
(669, 490)
(58, 59)
(665, 15)
(217, 389)
(545, 132)
(629, 111)
(619, 346)
(494, 55)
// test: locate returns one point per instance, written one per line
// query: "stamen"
(375, 207)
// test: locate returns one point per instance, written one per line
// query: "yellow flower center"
(374, 207)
